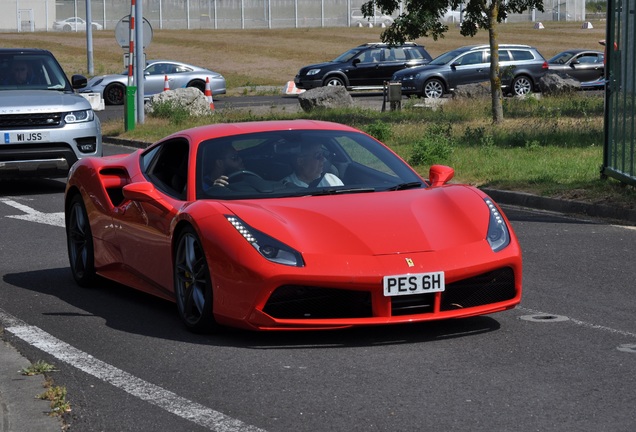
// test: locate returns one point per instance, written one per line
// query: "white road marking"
(32, 215)
(580, 323)
(155, 395)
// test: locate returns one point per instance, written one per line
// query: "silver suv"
(520, 68)
(44, 125)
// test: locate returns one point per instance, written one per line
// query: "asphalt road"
(563, 360)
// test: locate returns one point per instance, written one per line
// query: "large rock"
(189, 98)
(472, 91)
(552, 83)
(325, 97)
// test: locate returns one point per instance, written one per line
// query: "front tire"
(192, 283)
(114, 94)
(79, 240)
(197, 84)
(433, 89)
(334, 82)
(521, 86)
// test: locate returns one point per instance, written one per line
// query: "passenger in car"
(309, 165)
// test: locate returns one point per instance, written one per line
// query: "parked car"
(113, 87)
(357, 18)
(521, 67)
(45, 126)
(582, 65)
(366, 66)
(384, 247)
(74, 24)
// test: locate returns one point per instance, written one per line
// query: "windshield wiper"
(338, 191)
(410, 185)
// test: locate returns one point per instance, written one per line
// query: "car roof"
(23, 51)
(224, 129)
(482, 46)
(383, 44)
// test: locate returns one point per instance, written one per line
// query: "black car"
(366, 66)
(582, 65)
(520, 67)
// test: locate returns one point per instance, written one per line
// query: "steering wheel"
(243, 173)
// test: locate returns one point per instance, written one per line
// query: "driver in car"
(226, 162)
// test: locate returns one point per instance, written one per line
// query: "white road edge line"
(167, 400)
(582, 323)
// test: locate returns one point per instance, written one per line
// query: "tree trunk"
(495, 79)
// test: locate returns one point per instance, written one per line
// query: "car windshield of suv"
(299, 163)
(346, 56)
(445, 58)
(31, 71)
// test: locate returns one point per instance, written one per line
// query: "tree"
(423, 18)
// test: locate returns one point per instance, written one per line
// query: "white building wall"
(27, 15)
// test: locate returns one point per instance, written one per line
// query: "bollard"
(129, 108)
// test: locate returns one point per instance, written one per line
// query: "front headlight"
(313, 72)
(81, 116)
(498, 235)
(267, 246)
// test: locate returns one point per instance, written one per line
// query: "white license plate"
(25, 137)
(417, 283)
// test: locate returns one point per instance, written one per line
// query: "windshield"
(31, 71)
(299, 163)
(445, 58)
(561, 58)
(346, 56)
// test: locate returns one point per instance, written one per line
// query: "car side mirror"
(145, 192)
(78, 81)
(440, 174)
(355, 62)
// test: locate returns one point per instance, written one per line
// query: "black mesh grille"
(293, 302)
(26, 121)
(492, 287)
(412, 304)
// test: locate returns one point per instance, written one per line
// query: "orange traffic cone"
(166, 84)
(208, 93)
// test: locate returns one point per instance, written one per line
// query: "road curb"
(524, 199)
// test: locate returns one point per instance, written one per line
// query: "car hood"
(34, 101)
(321, 65)
(375, 223)
(104, 79)
(418, 69)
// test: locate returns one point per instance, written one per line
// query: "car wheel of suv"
(114, 94)
(521, 85)
(433, 89)
(334, 81)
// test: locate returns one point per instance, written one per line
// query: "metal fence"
(619, 156)
(38, 15)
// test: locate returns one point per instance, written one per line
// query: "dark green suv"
(364, 67)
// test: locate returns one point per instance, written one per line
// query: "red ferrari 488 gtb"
(289, 225)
